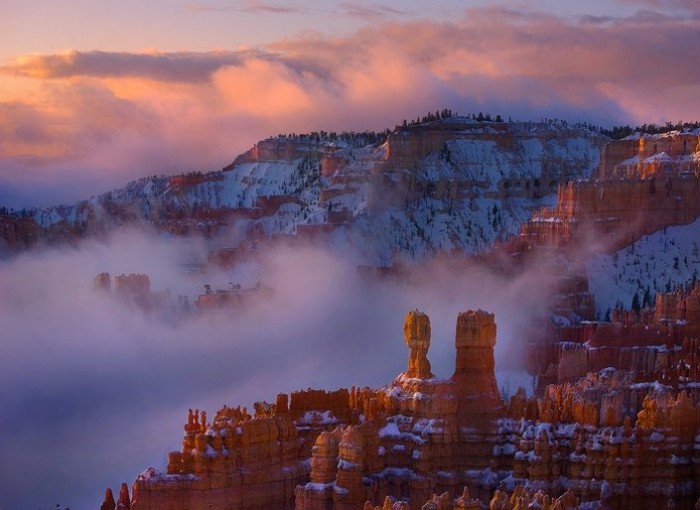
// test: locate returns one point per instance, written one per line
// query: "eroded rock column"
(416, 332)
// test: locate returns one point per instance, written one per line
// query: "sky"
(94, 94)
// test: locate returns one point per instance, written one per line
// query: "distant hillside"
(448, 184)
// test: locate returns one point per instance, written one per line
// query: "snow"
(318, 487)
(318, 417)
(429, 426)
(346, 464)
(390, 430)
(491, 204)
(655, 386)
(659, 262)
(510, 380)
(505, 449)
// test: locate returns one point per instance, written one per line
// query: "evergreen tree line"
(447, 113)
(619, 132)
(350, 137)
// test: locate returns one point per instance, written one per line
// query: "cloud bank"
(95, 391)
(110, 117)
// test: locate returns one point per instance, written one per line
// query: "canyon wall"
(614, 213)
(642, 155)
(644, 184)
(660, 343)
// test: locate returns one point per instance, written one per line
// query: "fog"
(95, 390)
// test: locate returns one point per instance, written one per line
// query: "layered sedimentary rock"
(421, 433)
(643, 155)
(409, 438)
(417, 337)
(134, 290)
(657, 344)
(609, 437)
(644, 184)
(629, 445)
(480, 180)
(614, 213)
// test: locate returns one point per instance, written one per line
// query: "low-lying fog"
(94, 391)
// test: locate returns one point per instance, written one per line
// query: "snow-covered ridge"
(660, 136)
(455, 184)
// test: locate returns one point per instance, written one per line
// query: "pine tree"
(635, 303)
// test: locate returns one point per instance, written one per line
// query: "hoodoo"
(602, 440)
(417, 336)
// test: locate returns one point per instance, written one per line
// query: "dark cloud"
(250, 7)
(169, 67)
(369, 12)
(667, 6)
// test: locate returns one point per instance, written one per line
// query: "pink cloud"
(133, 114)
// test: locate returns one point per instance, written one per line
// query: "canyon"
(612, 420)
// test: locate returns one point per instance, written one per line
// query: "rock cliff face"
(645, 183)
(449, 185)
(643, 155)
(654, 344)
(613, 213)
(610, 436)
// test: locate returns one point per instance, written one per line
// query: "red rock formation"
(103, 283)
(609, 437)
(661, 343)
(132, 285)
(474, 341)
(124, 502)
(644, 185)
(18, 230)
(108, 503)
(601, 457)
(417, 337)
(647, 155)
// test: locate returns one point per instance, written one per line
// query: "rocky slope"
(453, 184)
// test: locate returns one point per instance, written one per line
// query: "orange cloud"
(131, 114)
(266, 89)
